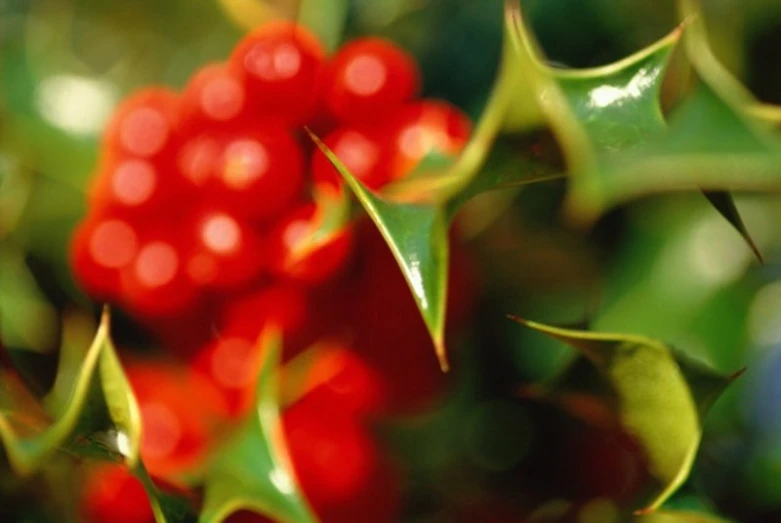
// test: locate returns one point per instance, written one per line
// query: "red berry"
(178, 413)
(282, 304)
(111, 494)
(332, 455)
(292, 254)
(232, 364)
(363, 153)
(343, 378)
(135, 187)
(423, 128)
(214, 96)
(198, 159)
(280, 64)
(101, 247)
(259, 174)
(225, 252)
(369, 79)
(143, 125)
(156, 282)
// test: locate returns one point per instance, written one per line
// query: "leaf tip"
(105, 316)
(735, 375)
(518, 319)
(441, 350)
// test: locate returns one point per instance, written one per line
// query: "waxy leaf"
(660, 397)
(253, 472)
(95, 413)
(417, 235)
(90, 412)
(616, 142)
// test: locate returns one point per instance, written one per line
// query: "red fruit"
(282, 304)
(136, 188)
(198, 160)
(111, 494)
(143, 125)
(214, 96)
(280, 65)
(331, 453)
(232, 364)
(292, 253)
(156, 282)
(423, 128)
(259, 174)
(341, 377)
(361, 150)
(369, 79)
(178, 413)
(101, 247)
(225, 252)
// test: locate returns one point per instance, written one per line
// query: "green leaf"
(90, 412)
(616, 141)
(253, 471)
(417, 235)
(94, 411)
(660, 396)
(710, 142)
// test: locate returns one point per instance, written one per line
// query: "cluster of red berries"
(200, 223)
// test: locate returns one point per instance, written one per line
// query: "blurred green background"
(668, 267)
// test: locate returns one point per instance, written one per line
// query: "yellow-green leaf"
(96, 413)
(660, 397)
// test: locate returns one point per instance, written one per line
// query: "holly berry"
(214, 96)
(292, 253)
(362, 151)
(331, 453)
(111, 494)
(368, 79)
(280, 65)
(175, 435)
(143, 125)
(232, 364)
(283, 305)
(224, 251)
(424, 128)
(100, 249)
(259, 174)
(156, 282)
(136, 188)
(343, 378)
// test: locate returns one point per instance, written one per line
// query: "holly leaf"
(710, 142)
(94, 410)
(253, 472)
(616, 142)
(91, 412)
(660, 397)
(417, 235)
